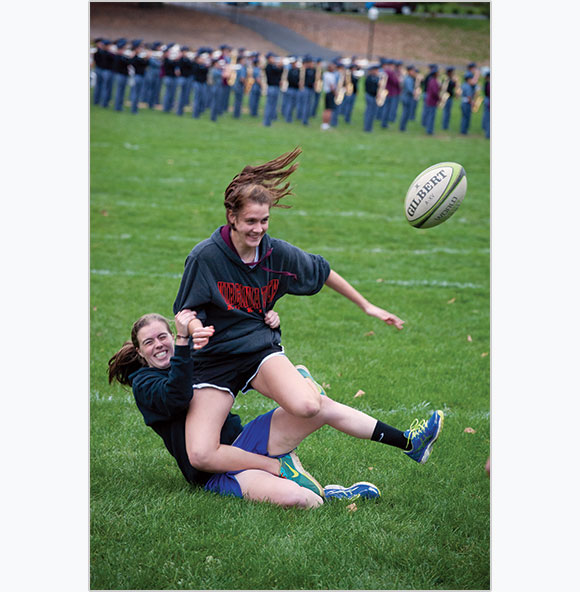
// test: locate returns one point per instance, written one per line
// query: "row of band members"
(168, 75)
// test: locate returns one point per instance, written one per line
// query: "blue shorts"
(254, 438)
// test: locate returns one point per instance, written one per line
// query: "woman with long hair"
(159, 369)
(233, 280)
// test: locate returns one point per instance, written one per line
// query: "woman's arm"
(340, 285)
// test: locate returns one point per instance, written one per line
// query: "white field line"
(422, 410)
(402, 283)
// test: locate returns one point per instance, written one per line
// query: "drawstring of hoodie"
(264, 268)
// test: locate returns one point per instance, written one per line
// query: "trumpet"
(382, 91)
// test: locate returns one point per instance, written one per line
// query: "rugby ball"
(435, 194)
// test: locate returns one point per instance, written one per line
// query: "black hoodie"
(163, 397)
(234, 296)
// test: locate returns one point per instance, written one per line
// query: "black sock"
(392, 436)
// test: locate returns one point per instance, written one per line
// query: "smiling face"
(249, 226)
(156, 345)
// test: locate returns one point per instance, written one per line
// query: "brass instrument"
(476, 105)
(263, 80)
(382, 91)
(318, 79)
(417, 90)
(349, 84)
(231, 70)
(340, 90)
(249, 80)
(445, 95)
(284, 80)
(302, 76)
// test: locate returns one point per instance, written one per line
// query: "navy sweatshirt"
(234, 296)
(163, 397)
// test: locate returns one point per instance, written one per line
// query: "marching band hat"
(450, 69)
(136, 43)
(468, 75)
(271, 54)
(184, 48)
(433, 67)
(120, 43)
(471, 65)
(225, 46)
(398, 62)
(156, 45)
(373, 66)
(411, 67)
(307, 58)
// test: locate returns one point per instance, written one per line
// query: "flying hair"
(262, 184)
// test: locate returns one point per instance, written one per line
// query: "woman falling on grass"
(160, 369)
(233, 280)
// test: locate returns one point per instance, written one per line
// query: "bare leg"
(264, 487)
(207, 413)
(287, 431)
(279, 380)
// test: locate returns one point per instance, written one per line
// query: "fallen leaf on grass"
(451, 301)
(469, 338)
(369, 333)
(352, 507)
(484, 354)
(469, 431)
(380, 280)
(325, 386)
(359, 393)
(371, 468)
(104, 213)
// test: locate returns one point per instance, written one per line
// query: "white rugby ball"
(435, 194)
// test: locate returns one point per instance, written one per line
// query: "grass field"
(157, 184)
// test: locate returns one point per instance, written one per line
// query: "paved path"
(283, 37)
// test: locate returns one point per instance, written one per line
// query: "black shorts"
(233, 373)
(329, 101)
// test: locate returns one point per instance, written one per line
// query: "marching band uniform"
(107, 73)
(467, 91)
(316, 94)
(306, 94)
(338, 74)
(99, 59)
(385, 72)
(121, 70)
(170, 74)
(200, 90)
(239, 84)
(256, 90)
(273, 76)
(371, 87)
(139, 64)
(408, 97)
(451, 88)
(349, 100)
(185, 80)
(292, 92)
(432, 100)
(152, 80)
(485, 121)
(215, 80)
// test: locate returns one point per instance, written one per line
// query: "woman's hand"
(182, 320)
(383, 315)
(272, 319)
(201, 336)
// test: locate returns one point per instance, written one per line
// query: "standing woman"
(232, 280)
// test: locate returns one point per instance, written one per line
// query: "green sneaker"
(304, 371)
(291, 468)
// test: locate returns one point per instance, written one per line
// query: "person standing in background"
(407, 96)
(139, 63)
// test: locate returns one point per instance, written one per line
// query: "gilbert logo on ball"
(435, 194)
